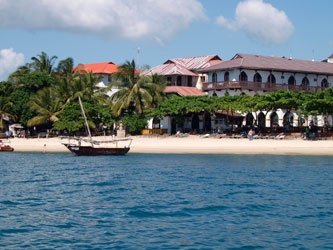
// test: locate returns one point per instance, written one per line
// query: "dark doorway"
(173, 126)
(208, 123)
(195, 123)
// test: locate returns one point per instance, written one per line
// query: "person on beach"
(250, 134)
(307, 133)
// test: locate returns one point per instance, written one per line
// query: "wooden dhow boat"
(94, 147)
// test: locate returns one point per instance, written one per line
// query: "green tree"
(133, 123)
(47, 107)
(5, 108)
(20, 110)
(43, 63)
(134, 94)
(71, 118)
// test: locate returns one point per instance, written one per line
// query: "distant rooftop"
(98, 68)
(184, 91)
(184, 66)
(246, 61)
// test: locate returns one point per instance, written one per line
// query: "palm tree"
(156, 87)
(43, 63)
(47, 106)
(134, 92)
(65, 67)
(86, 86)
(5, 108)
(21, 71)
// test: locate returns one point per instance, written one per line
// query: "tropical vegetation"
(43, 95)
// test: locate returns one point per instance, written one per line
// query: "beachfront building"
(105, 69)
(184, 72)
(252, 74)
(184, 79)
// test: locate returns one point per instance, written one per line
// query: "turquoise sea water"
(144, 201)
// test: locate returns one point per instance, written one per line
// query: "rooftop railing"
(257, 86)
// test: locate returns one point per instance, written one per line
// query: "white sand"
(194, 145)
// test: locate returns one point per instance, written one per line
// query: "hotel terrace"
(251, 74)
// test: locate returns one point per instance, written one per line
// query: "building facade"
(252, 74)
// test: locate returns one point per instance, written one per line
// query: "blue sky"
(104, 30)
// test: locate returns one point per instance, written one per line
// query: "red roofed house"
(105, 69)
(251, 74)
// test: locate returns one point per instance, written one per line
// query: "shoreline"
(193, 145)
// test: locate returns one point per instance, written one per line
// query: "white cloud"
(261, 21)
(110, 18)
(9, 61)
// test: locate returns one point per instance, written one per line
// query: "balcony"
(256, 86)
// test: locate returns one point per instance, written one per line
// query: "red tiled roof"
(183, 66)
(331, 56)
(184, 91)
(246, 61)
(98, 68)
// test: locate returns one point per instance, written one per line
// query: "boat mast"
(85, 119)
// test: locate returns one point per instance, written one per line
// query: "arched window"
(305, 82)
(243, 76)
(271, 79)
(324, 83)
(257, 78)
(226, 76)
(291, 81)
(214, 77)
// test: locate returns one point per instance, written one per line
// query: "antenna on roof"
(291, 56)
(138, 58)
(313, 52)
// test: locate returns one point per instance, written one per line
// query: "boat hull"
(88, 150)
(6, 149)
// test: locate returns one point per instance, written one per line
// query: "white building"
(105, 70)
(251, 74)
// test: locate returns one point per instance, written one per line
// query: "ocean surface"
(146, 201)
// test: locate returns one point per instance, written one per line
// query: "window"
(271, 79)
(179, 81)
(243, 76)
(324, 83)
(305, 82)
(214, 77)
(291, 81)
(203, 79)
(226, 77)
(189, 81)
(257, 77)
(169, 80)
(109, 78)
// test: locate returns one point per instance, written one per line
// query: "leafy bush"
(133, 123)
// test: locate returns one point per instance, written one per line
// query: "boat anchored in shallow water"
(93, 147)
(5, 147)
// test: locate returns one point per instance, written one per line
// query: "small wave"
(247, 247)
(146, 214)
(206, 209)
(67, 225)
(11, 203)
(13, 231)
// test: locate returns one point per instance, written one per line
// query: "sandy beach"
(194, 145)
